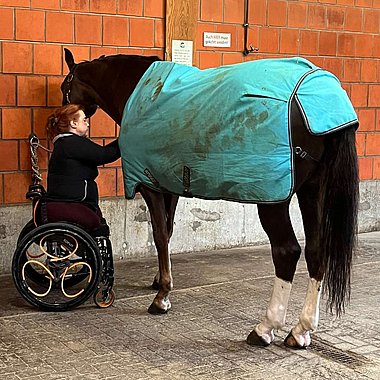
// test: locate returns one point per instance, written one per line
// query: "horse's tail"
(340, 197)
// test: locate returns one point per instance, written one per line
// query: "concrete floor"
(219, 296)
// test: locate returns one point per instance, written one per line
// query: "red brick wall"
(339, 35)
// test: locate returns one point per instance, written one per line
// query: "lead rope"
(36, 190)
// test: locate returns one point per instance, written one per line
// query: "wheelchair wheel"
(56, 266)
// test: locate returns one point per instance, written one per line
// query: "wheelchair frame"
(58, 266)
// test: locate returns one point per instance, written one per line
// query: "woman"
(72, 193)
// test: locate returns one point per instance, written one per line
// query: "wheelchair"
(58, 266)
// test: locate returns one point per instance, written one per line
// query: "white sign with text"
(217, 39)
(182, 52)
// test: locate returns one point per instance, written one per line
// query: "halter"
(67, 85)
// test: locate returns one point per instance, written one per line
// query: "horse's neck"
(117, 84)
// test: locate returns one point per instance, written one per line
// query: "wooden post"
(181, 23)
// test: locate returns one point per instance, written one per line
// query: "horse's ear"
(69, 58)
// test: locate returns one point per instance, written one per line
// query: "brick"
(97, 51)
(30, 25)
(234, 11)
(252, 39)
(107, 182)
(364, 45)
(154, 52)
(317, 17)
(345, 2)
(276, 13)
(258, 13)
(6, 24)
(154, 8)
(363, 3)
(103, 6)
(371, 22)
(54, 91)
(289, 41)
(376, 168)
(16, 123)
(335, 18)
(59, 27)
(376, 46)
(359, 95)
(309, 41)
(366, 120)
(137, 38)
(297, 15)
(334, 65)
(1, 189)
(129, 51)
(378, 120)
(376, 4)
(369, 70)
(15, 187)
(365, 168)
(40, 117)
(116, 31)
(15, 3)
(17, 57)
(120, 182)
(373, 144)
(231, 58)
(346, 45)
(269, 40)
(47, 59)
(88, 29)
(75, 5)
(360, 143)
(351, 70)
(327, 43)
(210, 59)
(212, 11)
(9, 155)
(354, 19)
(130, 8)
(31, 91)
(45, 4)
(102, 125)
(159, 33)
(374, 95)
(8, 90)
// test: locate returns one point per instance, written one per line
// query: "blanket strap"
(303, 154)
(186, 179)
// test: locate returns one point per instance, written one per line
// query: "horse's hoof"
(154, 309)
(155, 285)
(255, 340)
(291, 342)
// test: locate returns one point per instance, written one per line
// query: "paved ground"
(219, 296)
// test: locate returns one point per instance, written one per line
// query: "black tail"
(339, 216)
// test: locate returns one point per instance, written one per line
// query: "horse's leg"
(156, 205)
(308, 199)
(286, 252)
(171, 202)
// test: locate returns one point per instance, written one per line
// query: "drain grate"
(347, 358)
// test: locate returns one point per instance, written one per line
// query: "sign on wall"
(217, 39)
(182, 52)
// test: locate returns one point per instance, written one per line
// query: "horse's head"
(75, 87)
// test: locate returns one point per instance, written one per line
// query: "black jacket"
(73, 167)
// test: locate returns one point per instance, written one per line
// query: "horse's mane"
(124, 57)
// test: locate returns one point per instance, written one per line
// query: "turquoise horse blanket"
(224, 133)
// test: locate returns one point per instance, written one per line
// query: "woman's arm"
(83, 149)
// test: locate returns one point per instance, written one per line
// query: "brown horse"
(326, 184)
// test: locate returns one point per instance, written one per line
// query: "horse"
(326, 183)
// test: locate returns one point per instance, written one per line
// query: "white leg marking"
(276, 311)
(309, 317)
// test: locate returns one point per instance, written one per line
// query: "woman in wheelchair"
(64, 254)
(72, 193)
